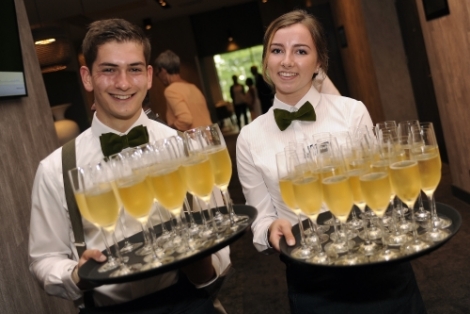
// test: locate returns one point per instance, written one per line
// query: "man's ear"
(150, 76)
(86, 78)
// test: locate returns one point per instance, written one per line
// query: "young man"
(117, 70)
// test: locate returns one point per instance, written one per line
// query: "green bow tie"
(284, 118)
(112, 143)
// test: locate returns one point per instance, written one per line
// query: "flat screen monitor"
(12, 80)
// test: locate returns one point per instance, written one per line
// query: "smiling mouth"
(287, 74)
(122, 97)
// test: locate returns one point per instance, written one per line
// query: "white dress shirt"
(52, 253)
(260, 140)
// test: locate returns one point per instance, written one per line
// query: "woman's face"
(292, 61)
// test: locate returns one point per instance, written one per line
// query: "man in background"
(186, 105)
(265, 93)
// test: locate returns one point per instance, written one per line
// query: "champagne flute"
(216, 149)
(339, 199)
(77, 179)
(137, 198)
(404, 130)
(358, 163)
(426, 152)
(170, 190)
(104, 208)
(285, 166)
(376, 189)
(308, 195)
(199, 177)
(406, 182)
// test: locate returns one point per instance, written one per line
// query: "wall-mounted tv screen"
(12, 81)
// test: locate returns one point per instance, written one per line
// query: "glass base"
(414, 246)
(355, 224)
(152, 262)
(126, 270)
(369, 249)
(320, 258)
(109, 265)
(145, 250)
(339, 247)
(312, 239)
(435, 235)
(351, 233)
(385, 255)
(130, 247)
(351, 259)
(373, 234)
(302, 253)
(397, 239)
(422, 215)
(443, 222)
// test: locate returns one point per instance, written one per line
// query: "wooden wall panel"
(357, 57)
(447, 45)
(388, 56)
(27, 135)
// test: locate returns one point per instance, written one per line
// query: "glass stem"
(364, 226)
(162, 224)
(415, 232)
(108, 250)
(122, 225)
(382, 230)
(228, 204)
(192, 222)
(434, 216)
(301, 228)
(118, 252)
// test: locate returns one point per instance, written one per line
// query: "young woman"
(293, 55)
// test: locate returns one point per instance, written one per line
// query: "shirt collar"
(98, 127)
(313, 96)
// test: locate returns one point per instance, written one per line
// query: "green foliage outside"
(236, 63)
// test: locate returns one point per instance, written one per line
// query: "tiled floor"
(258, 284)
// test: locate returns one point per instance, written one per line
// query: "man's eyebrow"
(110, 64)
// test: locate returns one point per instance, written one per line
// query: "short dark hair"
(169, 61)
(104, 31)
(292, 18)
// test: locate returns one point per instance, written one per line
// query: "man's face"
(120, 80)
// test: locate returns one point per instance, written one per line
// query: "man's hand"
(200, 271)
(279, 228)
(88, 254)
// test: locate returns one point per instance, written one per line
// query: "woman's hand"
(279, 228)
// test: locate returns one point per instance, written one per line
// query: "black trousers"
(384, 289)
(181, 298)
(240, 110)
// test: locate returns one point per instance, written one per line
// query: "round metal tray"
(443, 209)
(89, 271)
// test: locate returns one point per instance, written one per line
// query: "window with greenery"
(236, 63)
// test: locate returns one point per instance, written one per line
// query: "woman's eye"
(302, 52)
(275, 50)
